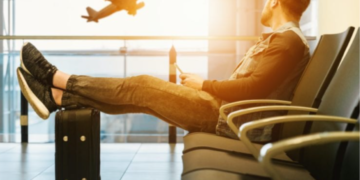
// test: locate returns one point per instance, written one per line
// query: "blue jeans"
(187, 108)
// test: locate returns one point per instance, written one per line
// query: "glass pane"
(157, 18)
(114, 128)
(119, 58)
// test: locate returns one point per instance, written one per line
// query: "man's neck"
(280, 21)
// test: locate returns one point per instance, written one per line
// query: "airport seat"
(313, 141)
(350, 164)
(245, 167)
(339, 100)
(324, 62)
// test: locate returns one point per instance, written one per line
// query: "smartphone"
(177, 67)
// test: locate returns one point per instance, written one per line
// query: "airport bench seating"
(319, 71)
(339, 99)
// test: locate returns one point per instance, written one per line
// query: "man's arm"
(277, 62)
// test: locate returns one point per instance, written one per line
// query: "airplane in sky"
(131, 6)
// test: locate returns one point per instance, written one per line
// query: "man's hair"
(295, 7)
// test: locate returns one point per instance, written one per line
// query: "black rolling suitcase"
(77, 144)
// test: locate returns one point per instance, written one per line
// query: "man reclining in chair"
(269, 70)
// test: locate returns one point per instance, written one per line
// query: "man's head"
(291, 9)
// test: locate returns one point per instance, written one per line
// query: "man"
(270, 69)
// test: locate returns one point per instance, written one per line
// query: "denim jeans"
(187, 108)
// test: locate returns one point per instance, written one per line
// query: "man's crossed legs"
(48, 89)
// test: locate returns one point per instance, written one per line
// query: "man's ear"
(274, 3)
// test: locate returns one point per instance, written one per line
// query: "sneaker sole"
(35, 102)
(22, 65)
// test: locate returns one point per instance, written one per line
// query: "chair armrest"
(257, 101)
(242, 112)
(283, 119)
(270, 150)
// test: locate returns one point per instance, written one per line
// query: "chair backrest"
(340, 99)
(317, 75)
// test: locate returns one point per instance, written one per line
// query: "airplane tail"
(91, 11)
(91, 15)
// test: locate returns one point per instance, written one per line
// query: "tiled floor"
(118, 161)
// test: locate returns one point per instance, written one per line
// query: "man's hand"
(192, 80)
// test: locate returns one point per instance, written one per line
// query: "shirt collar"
(286, 26)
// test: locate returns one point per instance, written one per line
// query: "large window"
(309, 21)
(124, 58)
(157, 18)
(101, 57)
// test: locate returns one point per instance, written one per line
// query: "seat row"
(318, 138)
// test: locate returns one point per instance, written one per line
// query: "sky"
(157, 18)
